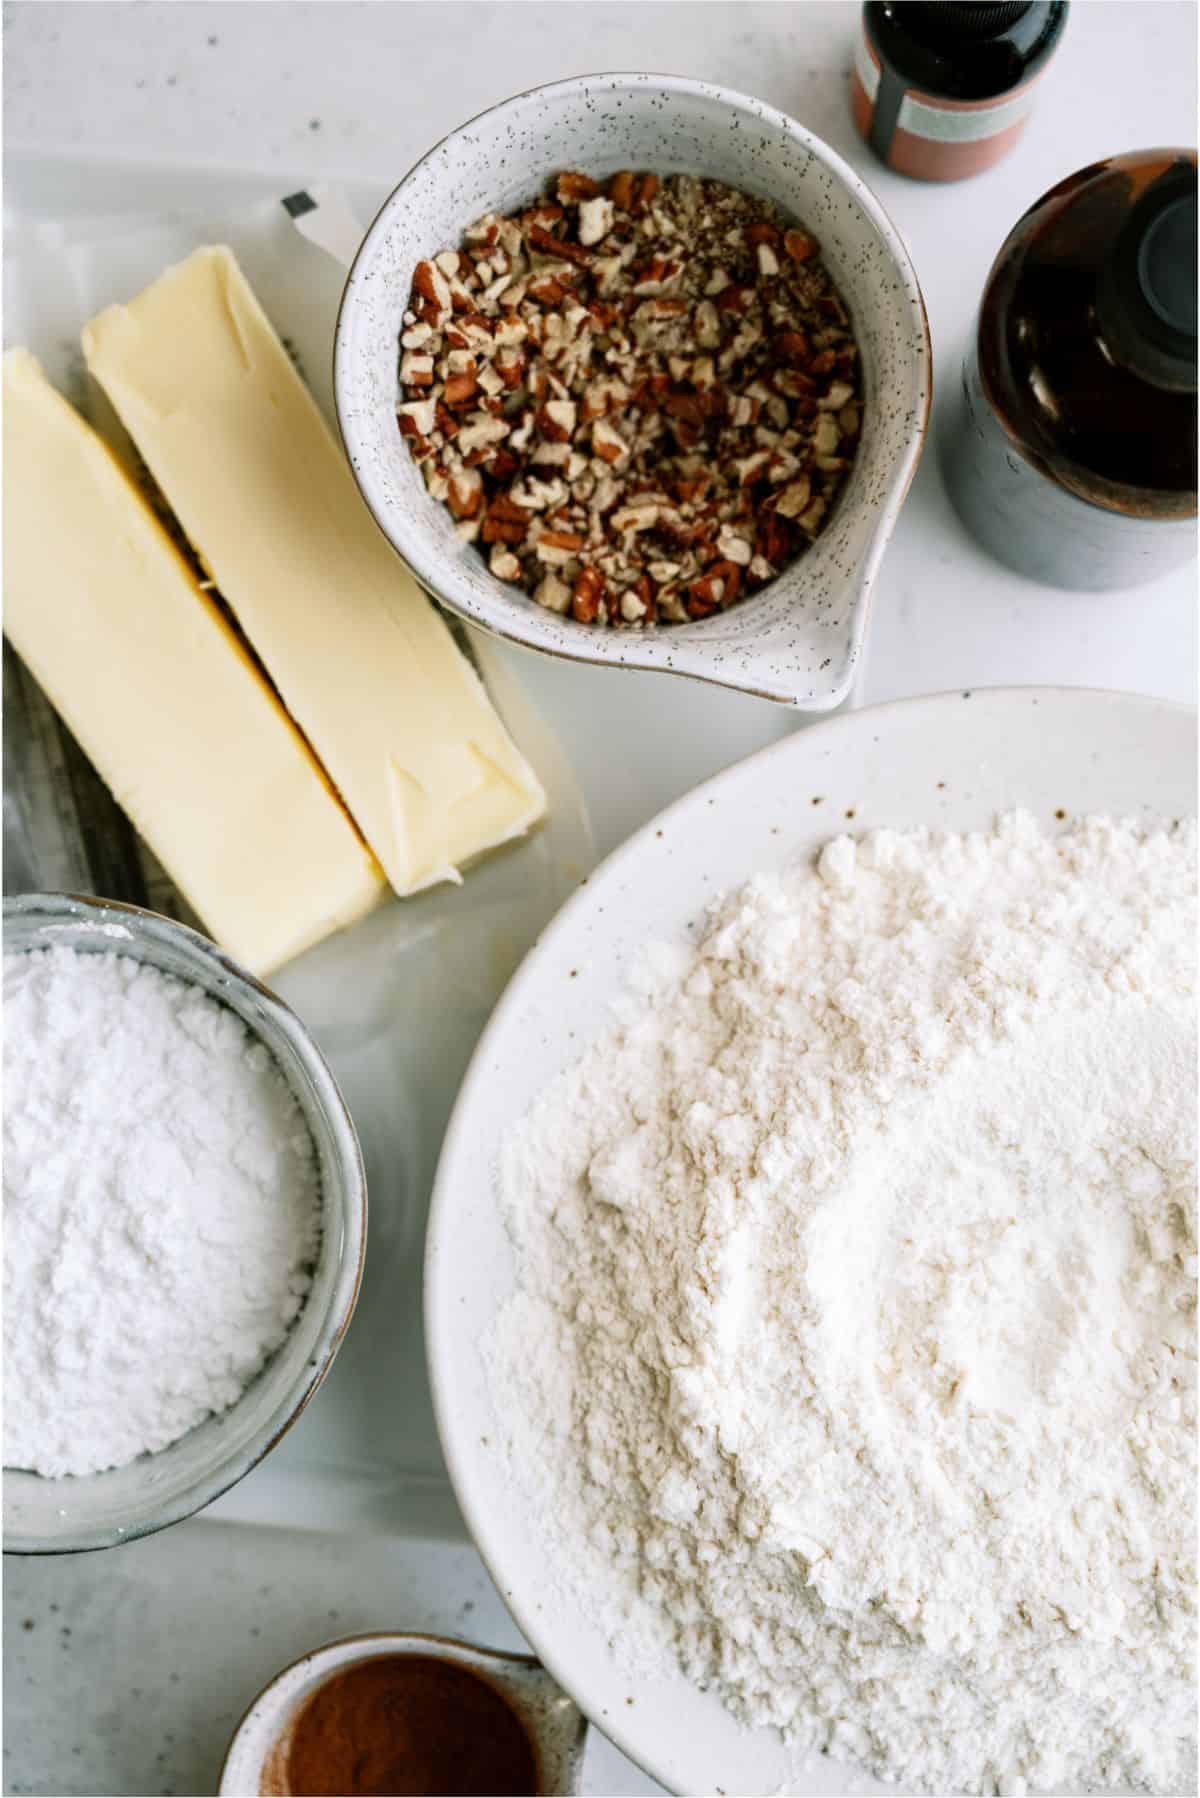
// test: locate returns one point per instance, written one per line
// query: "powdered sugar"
(161, 1209)
(854, 1347)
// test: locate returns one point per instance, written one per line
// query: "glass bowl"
(99, 1510)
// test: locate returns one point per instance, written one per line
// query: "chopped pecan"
(647, 187)
(762, 231)
(503, 530)
(639, 398)
(793, 346)
(431, 284)
(547, 290)
(590, 588)
(465, 492)
(556, 420)
(735, 299)
(571, 187)
(799, 245)
(544, 240)
(460, 389)
(685, 405)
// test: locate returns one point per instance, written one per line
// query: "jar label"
(924, 135)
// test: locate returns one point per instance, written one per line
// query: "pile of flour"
(853, 1359)
(161, 1209)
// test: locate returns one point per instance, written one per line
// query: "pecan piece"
(684, 405)
(798, 245)
(552, 593)
(464, 494)
(547, 290)
(510, 366)
(558, 547)
(637, 602)
(502, 530)
(556, 420)
(416, 369)
(590, 589)
(646, 189)
(503, 564)
(735, 299)
(503, 465)
(774, 539)
(433, 287)
(595, 220)
(544, 240)
(460, 389)
(608, 442)
(792, 382)
(417, 417)
(571, 186)
(763, 232)
(505, 521)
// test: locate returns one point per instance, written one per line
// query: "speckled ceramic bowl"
(800, 638)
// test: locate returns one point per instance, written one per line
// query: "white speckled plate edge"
(950, 761)
(800, 639)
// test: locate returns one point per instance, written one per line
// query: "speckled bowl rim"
(81, 908)
(681, 649)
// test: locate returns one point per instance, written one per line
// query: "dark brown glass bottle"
(1072, 452)
(941, 89)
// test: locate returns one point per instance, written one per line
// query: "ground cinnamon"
(407, 1724)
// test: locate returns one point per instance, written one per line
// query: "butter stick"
(362, 660)
(161, 694)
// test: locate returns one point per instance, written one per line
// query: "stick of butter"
(161, 694)
(361, 658)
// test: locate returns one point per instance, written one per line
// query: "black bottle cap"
(945, 22)
(1147, 295)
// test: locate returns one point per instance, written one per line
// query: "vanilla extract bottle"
(1070, 448)
(942, 89)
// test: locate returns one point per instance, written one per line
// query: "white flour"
(855, 1332)
(161, 1209)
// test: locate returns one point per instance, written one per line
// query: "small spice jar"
(942, 90)
(1069, 449)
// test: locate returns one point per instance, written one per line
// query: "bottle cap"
(958, 21)
(1147, 295)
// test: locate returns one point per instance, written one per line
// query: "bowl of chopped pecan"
(635, 370)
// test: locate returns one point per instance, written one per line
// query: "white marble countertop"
(125, 1672)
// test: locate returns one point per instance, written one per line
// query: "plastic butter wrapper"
(361, 659)
(170, 709)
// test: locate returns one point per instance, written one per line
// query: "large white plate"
(954, 760)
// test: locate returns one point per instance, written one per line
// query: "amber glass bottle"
(941, 90)
(1071, 451)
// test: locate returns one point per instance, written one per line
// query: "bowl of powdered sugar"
(184, 1222)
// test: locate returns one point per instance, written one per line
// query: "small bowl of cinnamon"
(381, 1714)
